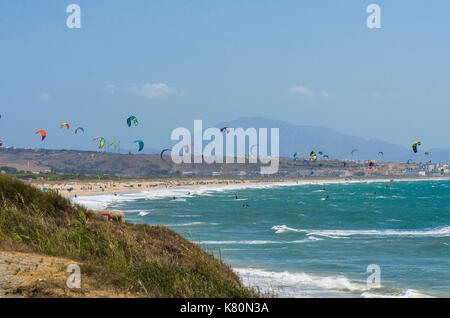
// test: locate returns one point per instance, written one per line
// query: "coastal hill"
(41, 233)
(75, 162)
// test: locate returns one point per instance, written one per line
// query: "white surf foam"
(287, 284)
(434, 232)
(102, 201)
(190, 224)
(409, 293)
(97, 202)
(260, 242)
(284, 229)
(244, 242)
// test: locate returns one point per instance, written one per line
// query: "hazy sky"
(169, 62)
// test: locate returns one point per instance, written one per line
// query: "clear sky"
(169, 62)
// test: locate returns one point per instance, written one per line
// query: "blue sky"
(170, 62)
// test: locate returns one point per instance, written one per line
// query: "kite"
(353, 151)
(187, 146)
(64, 125)
(225, 128)
(115, 144)
(251, 148)
(132, 119)
(295, 156)
(371, 164)
(414, 145)
(141, 144)
(102, 141)
(79, 128)
(162, 153)
(43, 134)
(313, 155)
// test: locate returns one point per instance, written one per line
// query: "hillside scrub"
(141, 260)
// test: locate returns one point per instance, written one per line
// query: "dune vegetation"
(135, 260)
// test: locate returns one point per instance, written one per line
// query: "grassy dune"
(138, 260)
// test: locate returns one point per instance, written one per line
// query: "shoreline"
(83, 188)
(71, 188)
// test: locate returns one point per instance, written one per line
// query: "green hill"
(137, 260)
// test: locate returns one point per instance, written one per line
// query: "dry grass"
(149, 261)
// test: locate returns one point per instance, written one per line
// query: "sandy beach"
(77, 188)
(73, 188)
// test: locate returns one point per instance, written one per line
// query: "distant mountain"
(303, 139)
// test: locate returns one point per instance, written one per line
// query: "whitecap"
(434, 232)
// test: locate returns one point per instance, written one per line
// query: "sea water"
(312, 240)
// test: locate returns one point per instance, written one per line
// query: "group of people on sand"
(126, 185)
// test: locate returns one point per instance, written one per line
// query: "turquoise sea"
(293, 241)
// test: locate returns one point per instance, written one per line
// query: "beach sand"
(71, 188)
